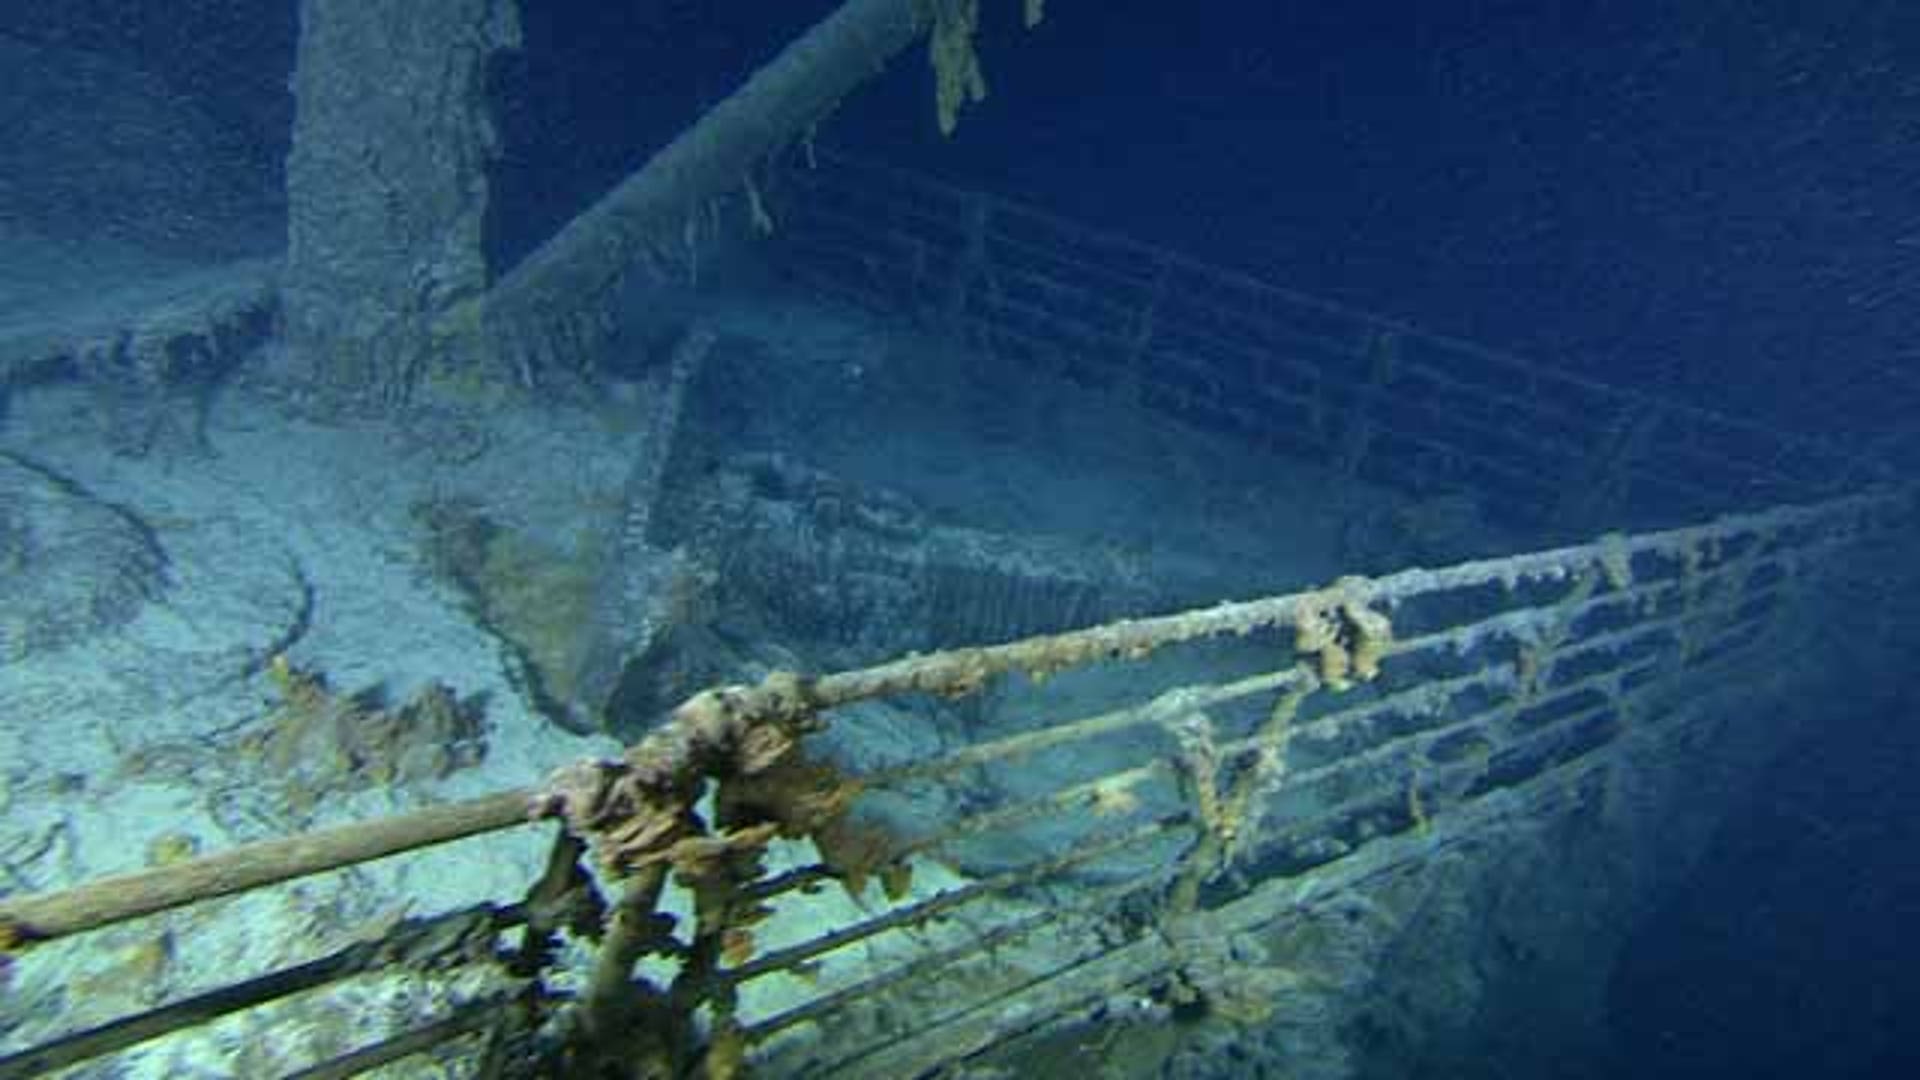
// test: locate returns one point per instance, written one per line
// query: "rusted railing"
(1371, 396)
(1243, 755)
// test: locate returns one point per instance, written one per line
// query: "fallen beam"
(549, 310)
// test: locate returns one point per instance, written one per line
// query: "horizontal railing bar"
(1413, 746)
(27, 920)
(1709, 454)
(1186, 699)
(856, 227)
(1151, 955)
(1414, 743)
(1038, 278)
(1322, 725)
(1172, 324)
(1161, 707)
(1166, 963)
(1145, 957)
(35, 918)
(1099, 900)
(1088, 336)
(960, 670)
(1082, 984)
(888, 215)
(1113, 340)
(1153, 376)
(1197, 296)
(44, 916)
(919, 912)
(998, 934)
(1603, 681)
(1407, 744)
(117, 1035)
(1249, 283)
(969, 825)
(829, 288)
(466, 1019)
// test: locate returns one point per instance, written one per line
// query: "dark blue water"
(1715, 198)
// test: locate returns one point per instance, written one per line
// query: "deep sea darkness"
(1714, 198)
